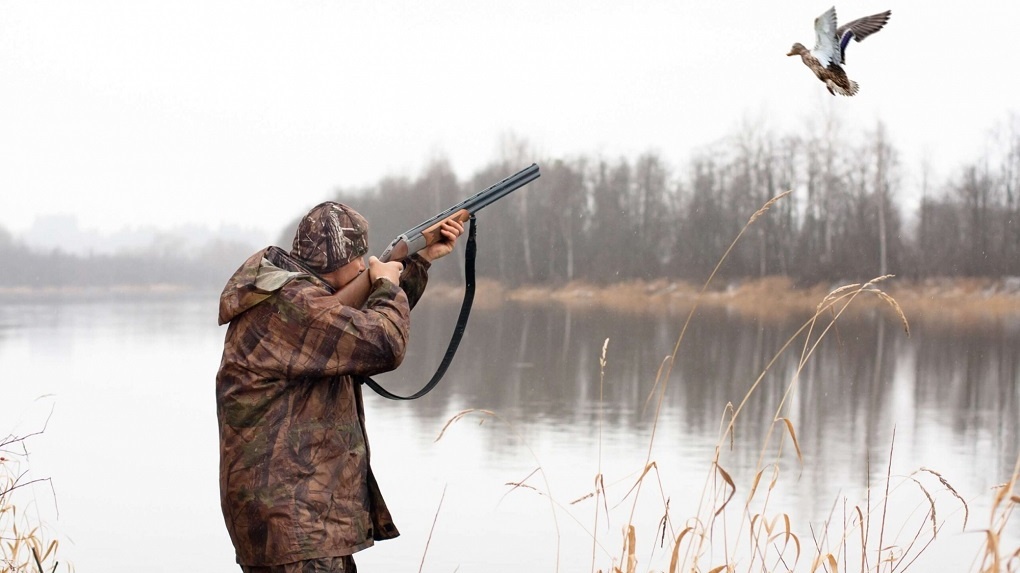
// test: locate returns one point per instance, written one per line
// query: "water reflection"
(867, 376)
(133, 383)
(869, 402)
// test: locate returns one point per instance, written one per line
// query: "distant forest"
(606, 220)
(603, 221)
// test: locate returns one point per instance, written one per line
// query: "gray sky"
(145, 112)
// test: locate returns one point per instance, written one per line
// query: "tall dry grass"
(25, 544)
(738, 528)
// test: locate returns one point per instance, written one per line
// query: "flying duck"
(830, 48)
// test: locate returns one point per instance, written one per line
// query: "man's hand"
(449, 230)
(380, 270)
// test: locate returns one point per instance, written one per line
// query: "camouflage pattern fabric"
(295, 479)
(330, 236)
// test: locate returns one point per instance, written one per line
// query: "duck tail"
(847, 90)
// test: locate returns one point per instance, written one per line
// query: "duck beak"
(792, 54)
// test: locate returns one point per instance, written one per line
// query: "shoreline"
(769, 298)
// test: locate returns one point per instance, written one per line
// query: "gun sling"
(458, 331)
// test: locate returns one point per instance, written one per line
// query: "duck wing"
(827, 50)
(859, 29)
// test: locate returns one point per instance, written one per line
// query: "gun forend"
(427, 232)
(406, 245)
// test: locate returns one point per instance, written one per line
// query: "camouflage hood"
(256, 280)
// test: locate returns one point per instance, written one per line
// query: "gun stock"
(356, 292)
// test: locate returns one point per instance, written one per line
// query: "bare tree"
(652, 213)
(1009, 174)
(825, 182)
(885, 164)
(564, 211)
(515, 154)
(611, 227)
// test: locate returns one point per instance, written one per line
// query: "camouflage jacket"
(295, 480)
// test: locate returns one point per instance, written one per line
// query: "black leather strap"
(458, 331)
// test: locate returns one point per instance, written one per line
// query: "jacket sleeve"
(310, 335)
(414, 278)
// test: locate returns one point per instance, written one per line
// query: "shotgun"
(356, 292)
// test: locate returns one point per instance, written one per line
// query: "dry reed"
(25, 546)
(771, 541)
(963, 303)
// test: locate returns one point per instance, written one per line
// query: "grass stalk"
(773, 544)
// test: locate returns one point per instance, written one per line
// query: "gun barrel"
(415, 239)
(483, 198)
(356, 292)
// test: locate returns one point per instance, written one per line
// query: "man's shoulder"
(282, 259)
(270, 278)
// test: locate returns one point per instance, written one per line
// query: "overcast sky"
(141, 112)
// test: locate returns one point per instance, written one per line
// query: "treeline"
(153, 265)
(602, 220)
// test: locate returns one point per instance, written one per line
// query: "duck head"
(797, 50)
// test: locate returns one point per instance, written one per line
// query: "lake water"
(131, 444)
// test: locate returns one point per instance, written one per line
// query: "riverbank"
(953, 300)
(956, 300)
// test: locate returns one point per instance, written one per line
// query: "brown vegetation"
(954, 300)
(857, 539)
(863, 535)
(25, 546)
